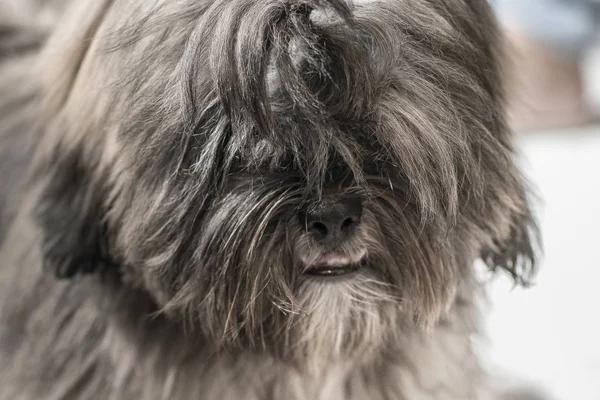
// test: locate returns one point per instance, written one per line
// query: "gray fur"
(174, 146)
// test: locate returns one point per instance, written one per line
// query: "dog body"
(255, 199)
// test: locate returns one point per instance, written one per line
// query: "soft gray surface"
(550, 334)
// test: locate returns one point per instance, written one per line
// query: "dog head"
(297, 176)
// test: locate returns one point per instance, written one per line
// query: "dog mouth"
(335, 264)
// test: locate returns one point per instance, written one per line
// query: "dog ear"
(71, 206)
(70, 213)
(515, 252)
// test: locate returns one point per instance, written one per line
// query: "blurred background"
(549, 334)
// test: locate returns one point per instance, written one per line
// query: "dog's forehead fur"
(425, 98)
(183, 141)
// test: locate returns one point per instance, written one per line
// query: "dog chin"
(350, 316)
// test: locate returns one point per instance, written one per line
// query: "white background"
(550, 334)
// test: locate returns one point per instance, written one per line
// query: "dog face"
(298, 177)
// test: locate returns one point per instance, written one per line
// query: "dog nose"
(331, 223)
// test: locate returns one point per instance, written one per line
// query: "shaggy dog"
(252, 199)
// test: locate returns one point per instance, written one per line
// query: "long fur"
(173, 146)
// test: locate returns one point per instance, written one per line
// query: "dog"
(253, 199)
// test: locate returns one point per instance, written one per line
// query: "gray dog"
(252, 199)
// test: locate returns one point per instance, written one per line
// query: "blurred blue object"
(569, 26)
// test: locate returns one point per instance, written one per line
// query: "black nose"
(332, 222)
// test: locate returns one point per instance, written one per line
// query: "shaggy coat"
(160, 162)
